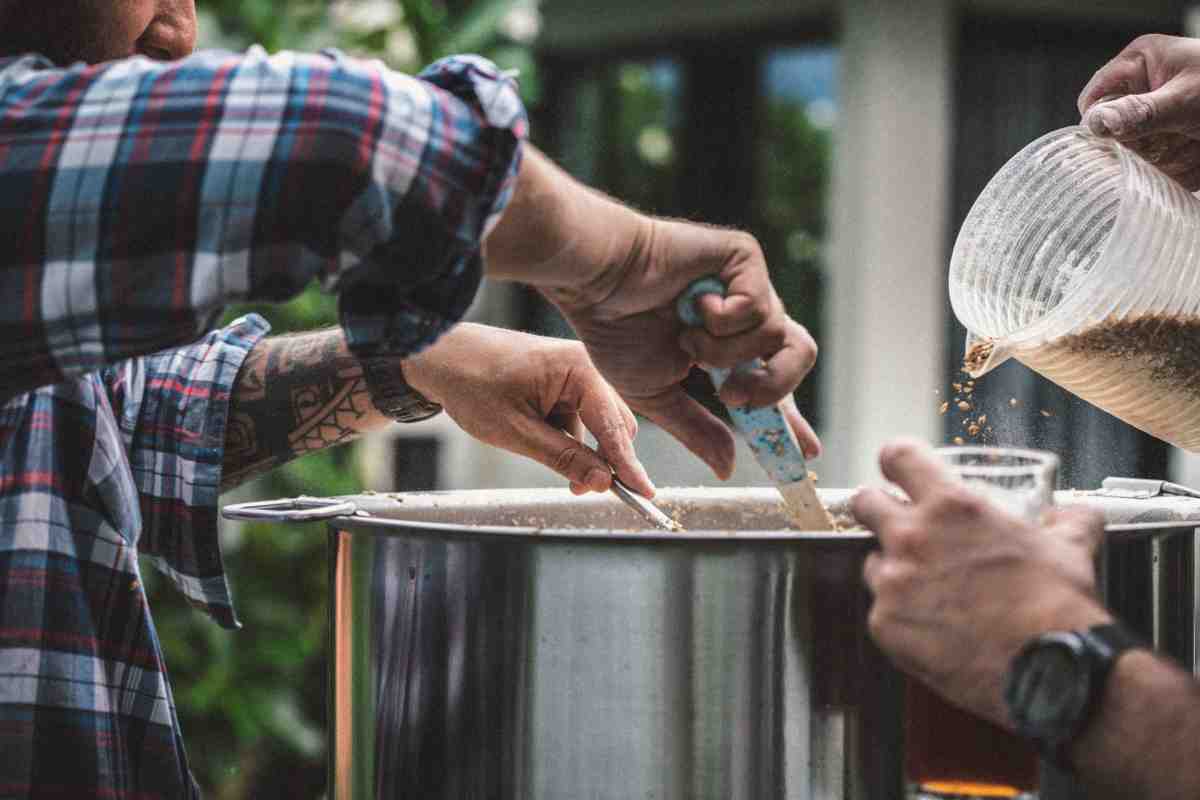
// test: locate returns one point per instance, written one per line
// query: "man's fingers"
(627, 414)
(694, 426)
(875, 509)
(761, 342)
(913, 467)
(734, 313)
(749, 299)
(779, 376)
(810, 445)
(601, 411)
(1084, 524)
(1133, 116)
(871, 568)
(1125, 74)
(569, 457)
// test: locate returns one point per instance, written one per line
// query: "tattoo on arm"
(294, 394)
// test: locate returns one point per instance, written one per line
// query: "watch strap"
(1103, 644)
(392, 394)
(1111, 640)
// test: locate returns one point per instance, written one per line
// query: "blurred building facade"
(852, 138)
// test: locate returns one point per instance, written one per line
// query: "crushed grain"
(977, 356)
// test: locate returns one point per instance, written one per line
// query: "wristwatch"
(392, 394)
(1056, 681)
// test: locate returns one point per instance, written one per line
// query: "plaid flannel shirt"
(138, 198)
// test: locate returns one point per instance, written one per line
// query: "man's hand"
(615, 274)
(526, 394)
(1153, 103)
(960, 585)
(631, 331)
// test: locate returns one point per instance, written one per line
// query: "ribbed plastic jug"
(1082, 261)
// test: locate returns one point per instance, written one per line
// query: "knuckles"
(1136, 51)
(899, 451)
(568, 462)
(1144, 109)
(955, 503)
(880, 622)
(807, 346)
(906, 539)
(746, 245)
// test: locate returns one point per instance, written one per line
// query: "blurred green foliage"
(252, 702)
(794, 159)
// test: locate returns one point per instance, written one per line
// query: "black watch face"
(1051, 689)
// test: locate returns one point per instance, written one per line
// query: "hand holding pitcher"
(1146, 99)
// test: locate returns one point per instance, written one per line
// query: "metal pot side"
(518, 645)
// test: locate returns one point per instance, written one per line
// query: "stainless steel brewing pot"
(532, 645)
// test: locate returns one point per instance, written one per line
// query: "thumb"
(1137, 115)
(536, 439)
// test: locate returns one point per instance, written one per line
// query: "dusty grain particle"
(982, 419)
(959, 440)
(963, 405)
(1046, 413)
(973, 430)
(1013, 402)
(944, 407)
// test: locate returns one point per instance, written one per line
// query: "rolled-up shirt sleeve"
(139, 198)
(172, 409)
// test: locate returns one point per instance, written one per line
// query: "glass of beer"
(950, 753)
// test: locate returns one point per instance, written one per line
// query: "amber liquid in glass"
(951, 752)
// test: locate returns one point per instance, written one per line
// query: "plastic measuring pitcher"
(1082, 261)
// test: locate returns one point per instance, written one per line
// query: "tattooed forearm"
(294, 394)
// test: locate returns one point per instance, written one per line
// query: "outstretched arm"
(528, 394)
(141, 197)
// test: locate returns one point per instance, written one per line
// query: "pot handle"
(298, 509)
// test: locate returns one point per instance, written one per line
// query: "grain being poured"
(974, 424)
(977, 356)
(1145, 370)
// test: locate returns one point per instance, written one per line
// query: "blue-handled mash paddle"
(765, 429)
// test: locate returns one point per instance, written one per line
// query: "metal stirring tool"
(643, 507)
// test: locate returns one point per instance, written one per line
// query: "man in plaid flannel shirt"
(143, 189)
